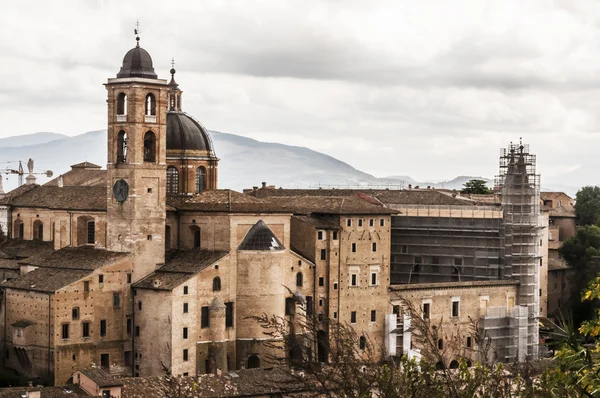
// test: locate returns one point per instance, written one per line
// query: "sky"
(429, 89)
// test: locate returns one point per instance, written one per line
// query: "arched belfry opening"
(149, 147)
(150, 105)
(122, 104)
(121, 147)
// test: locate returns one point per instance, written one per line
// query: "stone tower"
(137, 130)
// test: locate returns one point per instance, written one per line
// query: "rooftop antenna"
(137, 32)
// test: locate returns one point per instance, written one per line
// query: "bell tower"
(137, 130)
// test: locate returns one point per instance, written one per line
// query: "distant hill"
(245, 162)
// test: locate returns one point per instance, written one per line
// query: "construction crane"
(20, 173)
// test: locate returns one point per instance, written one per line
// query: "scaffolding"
(521, 232)
(433, 244)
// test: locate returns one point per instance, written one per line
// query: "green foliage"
(587, 205)
(476, 187)
(579, 250)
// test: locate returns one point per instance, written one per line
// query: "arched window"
(149, 147)
(150, 105)
(91, 232)
(454, 364)
(253, 362)
(299, 279)
(172, 180)
(121, 147)
(122, 104)
(38, 230)
(216, 284)
(200, 179)
(362, 342)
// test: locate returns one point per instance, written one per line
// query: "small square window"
(320, 235)
(320, 302)
(335, 315)
(149, 190)
(403, 249)
(349, 222)
(334, 235)
(75, 313)
(353, 317)
(334, 285)
(360, 222)
(381, 222)
(321, 281)
(149, 237)
(100, 278)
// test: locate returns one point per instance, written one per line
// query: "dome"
(137, 63)
(184, 133)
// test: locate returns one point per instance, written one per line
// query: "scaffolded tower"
(521, 233)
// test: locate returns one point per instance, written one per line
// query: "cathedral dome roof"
(137, 63)
(184, 133)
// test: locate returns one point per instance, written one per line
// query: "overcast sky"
(430, 89)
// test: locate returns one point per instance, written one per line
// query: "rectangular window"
(540, 292)
(86, 286)
(403, 249)
(91, 232)
(426, 310)
(128, 278)
(418, 260)
(374, 246)
(290, 306)
(229, 315)
(75, 313)
(353, 317)
(320, 235)
(185, 333)
(140, 305)
(360, 222)
(458, 261)
(137, 331)
(323, 254)
(197, 238)
(371, 222)
(65, 331)
(354, 280)
(349, 222)
(116, 300)
(205, 320)
(185, 290)
(354, 248)
(185, 354)
(381, 222)
(334, 285)
(334, 235)
(129, 325)
(321, 281)
(309, 305)
(102, 328)
(373, 315)
(455, 308)
(100, 278)
(85, 329)
(185, 308)
(374, 278)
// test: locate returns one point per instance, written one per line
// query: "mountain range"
(244, 163)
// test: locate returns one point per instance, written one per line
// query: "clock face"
(121, 190)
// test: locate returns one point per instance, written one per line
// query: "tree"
(476, 186)
(587, 205)
(581, 252)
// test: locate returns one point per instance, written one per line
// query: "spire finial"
(137, 32)
(172, 67)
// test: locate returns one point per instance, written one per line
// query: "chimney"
(254, 189)
(409, 186)
(264, 185)
(60, 181)
(428, 186)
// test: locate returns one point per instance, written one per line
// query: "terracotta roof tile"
(81, 177)
(20, 248)
(46, 279)
(222, 200)
(75, 258)
(15, 193)
(318, 221)
(101, 378)
(72, 198)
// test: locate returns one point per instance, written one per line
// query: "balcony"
(121, 118)
(150, 118)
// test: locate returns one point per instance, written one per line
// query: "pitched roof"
(318, 221)
(46, 280)
(260, 237)
(85, 165)
(81, 176)
(67, 197)
(101, 378)
(20, 248)
(179, 267)
(10, 196)
(223, 200)
(350, 204)
(556, 264)
(45, 392)
(75, 258)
